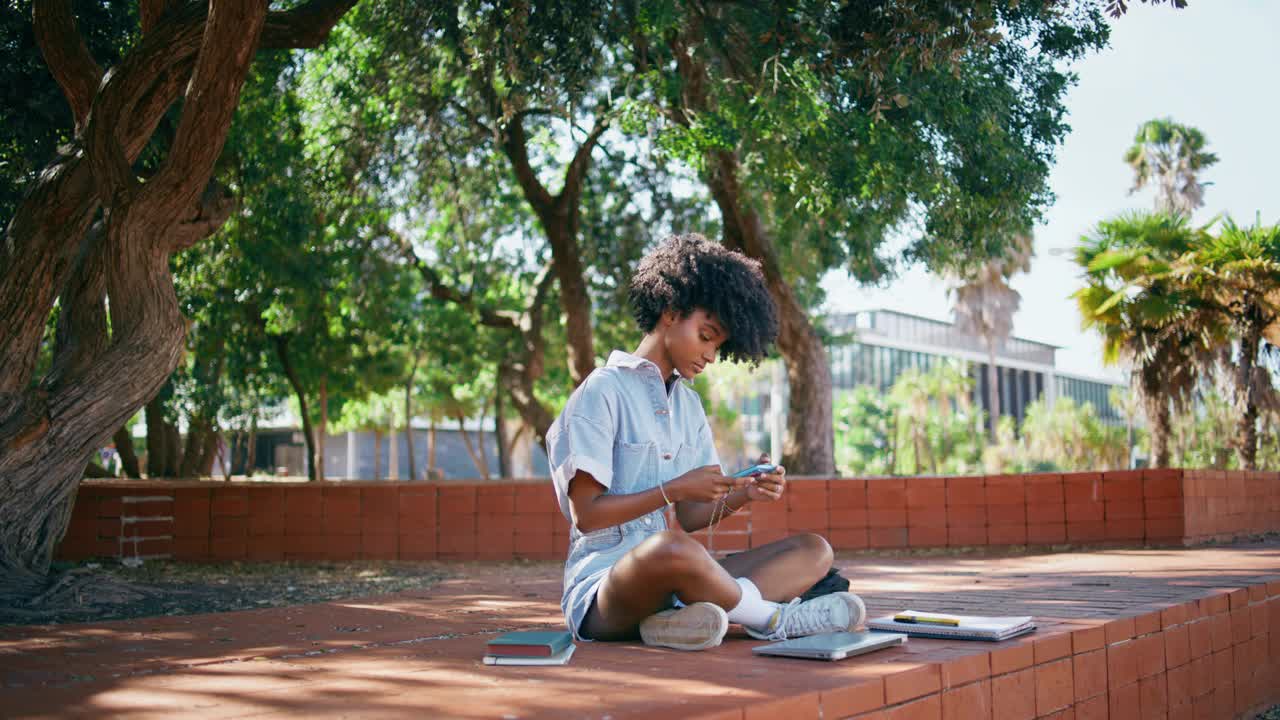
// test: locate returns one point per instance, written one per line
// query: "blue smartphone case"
(755, 470)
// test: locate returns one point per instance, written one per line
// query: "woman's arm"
(592, 508)
(694, 516)
(697, 515)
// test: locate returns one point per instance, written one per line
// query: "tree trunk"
(233, 451)
(45, 452)
(192, 457)
(154, 413)
(201, 424)
(128, 457)
(323, 430)
(519, 383)
(521, 450)
(308, 434)
(504, 454)
(1246, 401)
(408, 424)
(251, 463)
(1156, 406)
(209, 452)
(102, 374)
(377, 454)
(1221, 457)
(809, 448)
(393, 449)
(519, 374)
(431, 448)
(172, 451)
(993, 392)
(560, 216)
(484, 453)
(476, 458)
(1178, 448)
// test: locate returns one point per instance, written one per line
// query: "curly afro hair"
(687, 272)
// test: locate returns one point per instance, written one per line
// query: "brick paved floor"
(1152, 633)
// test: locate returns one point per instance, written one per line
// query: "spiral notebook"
(963, 627)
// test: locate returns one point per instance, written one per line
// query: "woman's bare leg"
(641, 584)
(783, 569)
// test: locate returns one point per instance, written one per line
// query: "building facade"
(874, 347)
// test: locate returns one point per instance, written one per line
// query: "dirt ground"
(115, 592)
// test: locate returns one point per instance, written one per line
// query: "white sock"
(752, 610)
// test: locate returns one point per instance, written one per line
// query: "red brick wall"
(1221, 505)
(347, 521)
(495, 521)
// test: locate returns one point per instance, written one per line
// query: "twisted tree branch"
(229, 43)
(67, 55)
(515, 143)
(150, 12)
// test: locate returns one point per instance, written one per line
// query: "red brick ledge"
(1172, 643)
(216, 521)
(1216, 657)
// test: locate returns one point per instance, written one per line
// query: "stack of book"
(962, 627)
(530, 647)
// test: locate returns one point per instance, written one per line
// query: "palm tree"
(1149, 320)
(912, 392)
(951, 385)
(1129, 404)
(1239, 272)
(1170, 156)
(984, 306)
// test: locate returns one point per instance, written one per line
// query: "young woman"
(633, 439)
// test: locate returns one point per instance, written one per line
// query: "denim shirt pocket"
(634, 467)
(684, 457)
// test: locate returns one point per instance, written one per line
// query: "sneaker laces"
(799, 619)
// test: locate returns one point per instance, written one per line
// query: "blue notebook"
(530, 643)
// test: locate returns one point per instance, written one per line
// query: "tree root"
(82, 593)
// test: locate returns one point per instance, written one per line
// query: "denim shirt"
(624, 427)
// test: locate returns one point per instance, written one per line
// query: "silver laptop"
(832, 646)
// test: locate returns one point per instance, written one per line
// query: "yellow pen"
(925, 619)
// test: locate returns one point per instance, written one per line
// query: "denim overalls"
(623, 427)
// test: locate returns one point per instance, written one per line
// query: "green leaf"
(1115, 299)
(1110, 259)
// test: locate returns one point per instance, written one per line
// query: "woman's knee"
(814, 547)
(671, 551)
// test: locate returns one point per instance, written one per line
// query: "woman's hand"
(704, 484)
(767, 487)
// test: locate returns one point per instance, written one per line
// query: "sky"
(1211, 66)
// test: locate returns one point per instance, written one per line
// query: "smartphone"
(755, 470)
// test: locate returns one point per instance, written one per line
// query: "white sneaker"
(837, 612)
(698, 626)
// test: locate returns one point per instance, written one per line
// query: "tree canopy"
(446, 197)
